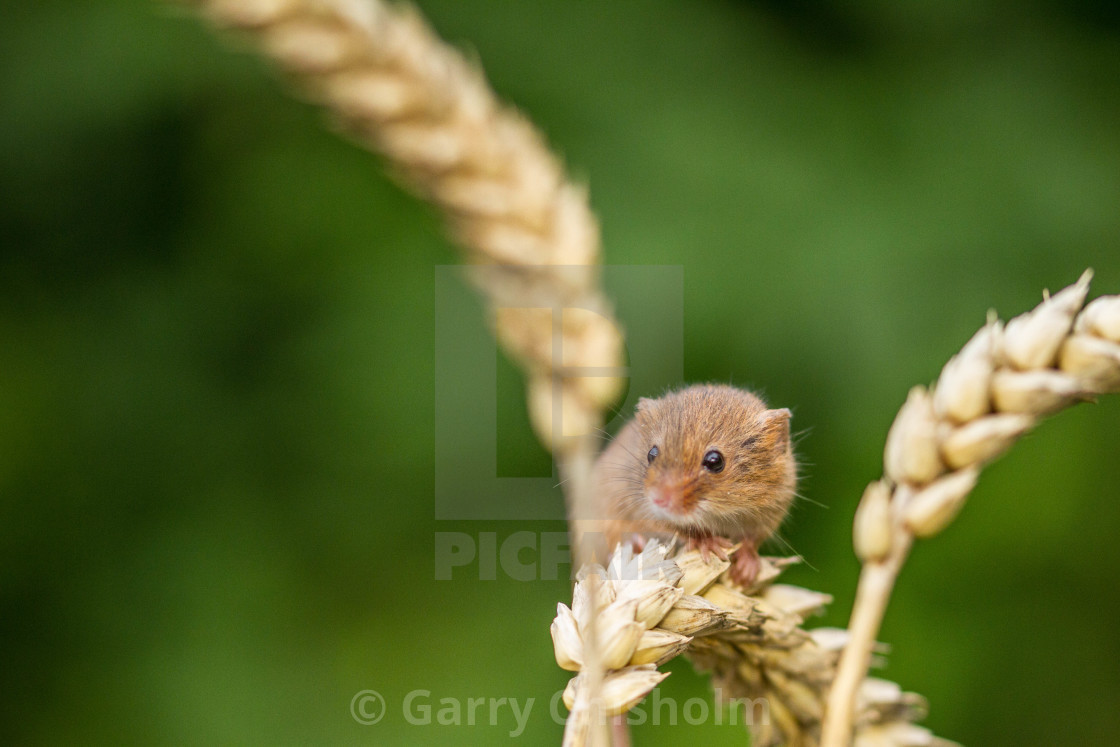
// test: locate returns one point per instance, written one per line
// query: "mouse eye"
(653, 453)
(713, 461)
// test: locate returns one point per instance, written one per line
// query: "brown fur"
(746, 501)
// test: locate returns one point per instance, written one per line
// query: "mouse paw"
(637, 542)
(710, 544)
(745, 566)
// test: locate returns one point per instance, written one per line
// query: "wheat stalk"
(527, 230)
(398, 90)
(996, 389)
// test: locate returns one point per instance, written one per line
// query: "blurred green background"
(216, 352)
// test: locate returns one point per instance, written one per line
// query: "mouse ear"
(778, 420)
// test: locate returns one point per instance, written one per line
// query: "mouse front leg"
(745, 565)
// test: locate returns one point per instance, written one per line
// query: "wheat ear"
(659, 603)
(400, 91)
(996, 389)
(527, 230)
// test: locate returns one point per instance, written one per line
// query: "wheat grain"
(997, 388)
(754, 644)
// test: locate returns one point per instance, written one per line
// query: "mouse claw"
(709, 545)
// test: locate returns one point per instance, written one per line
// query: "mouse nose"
(669, 497)
(664, 496)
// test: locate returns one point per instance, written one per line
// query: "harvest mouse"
(709, 462)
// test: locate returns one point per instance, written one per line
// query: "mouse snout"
(670, 497)
(665, 496)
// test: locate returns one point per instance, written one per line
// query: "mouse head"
(712, 453)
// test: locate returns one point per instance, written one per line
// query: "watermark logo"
(518, 556)
(423, 708)
(650, 301)
(418, 709)
(367, 707)
(522, 556)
